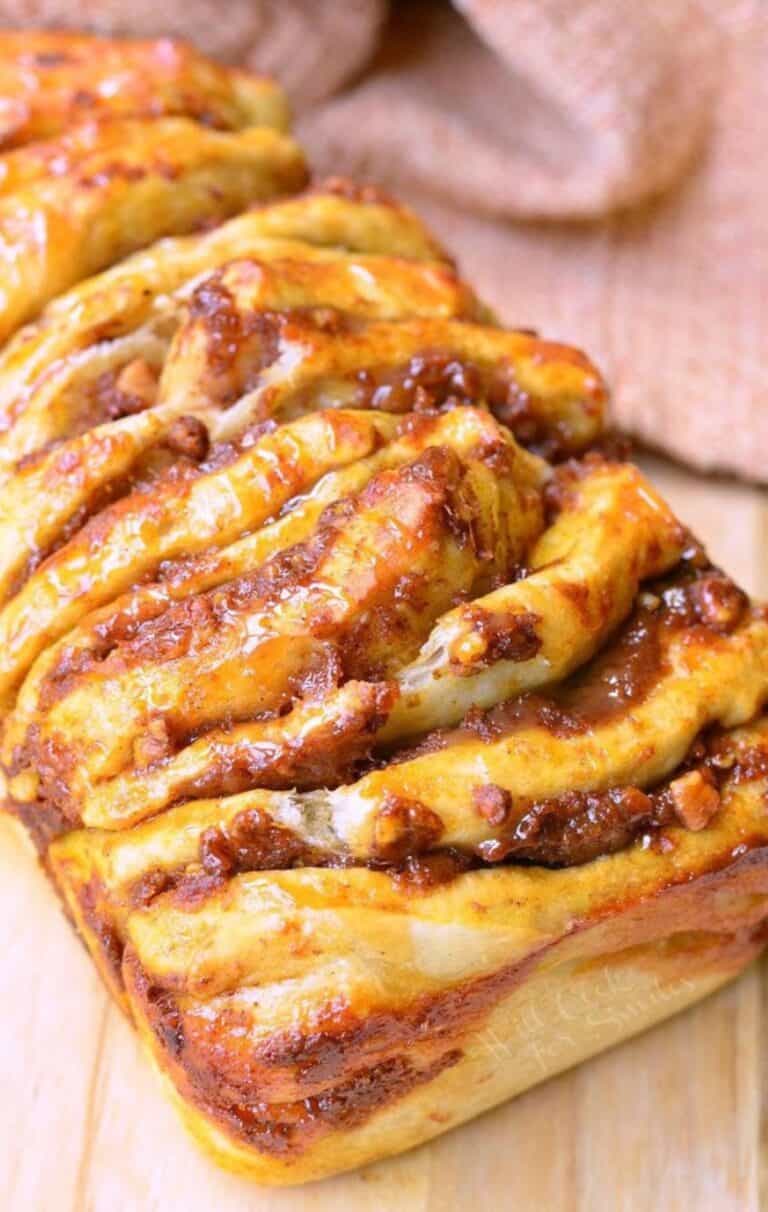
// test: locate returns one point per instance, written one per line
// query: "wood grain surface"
(671, 1121)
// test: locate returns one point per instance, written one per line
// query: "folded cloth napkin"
(599, 167)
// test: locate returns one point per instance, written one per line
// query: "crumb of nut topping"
(695, 798)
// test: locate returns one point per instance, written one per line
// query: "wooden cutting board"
(670, 1121)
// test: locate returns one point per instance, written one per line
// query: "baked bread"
(138, 162)
(391, 744)
(50, 81)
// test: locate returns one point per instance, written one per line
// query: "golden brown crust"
(361, 704)
(296, 1055)
(116, 143)
(84, 200)
(52, 80)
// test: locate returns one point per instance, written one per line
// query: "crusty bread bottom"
(605, 981)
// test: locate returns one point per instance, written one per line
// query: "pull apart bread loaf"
(391, 744)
